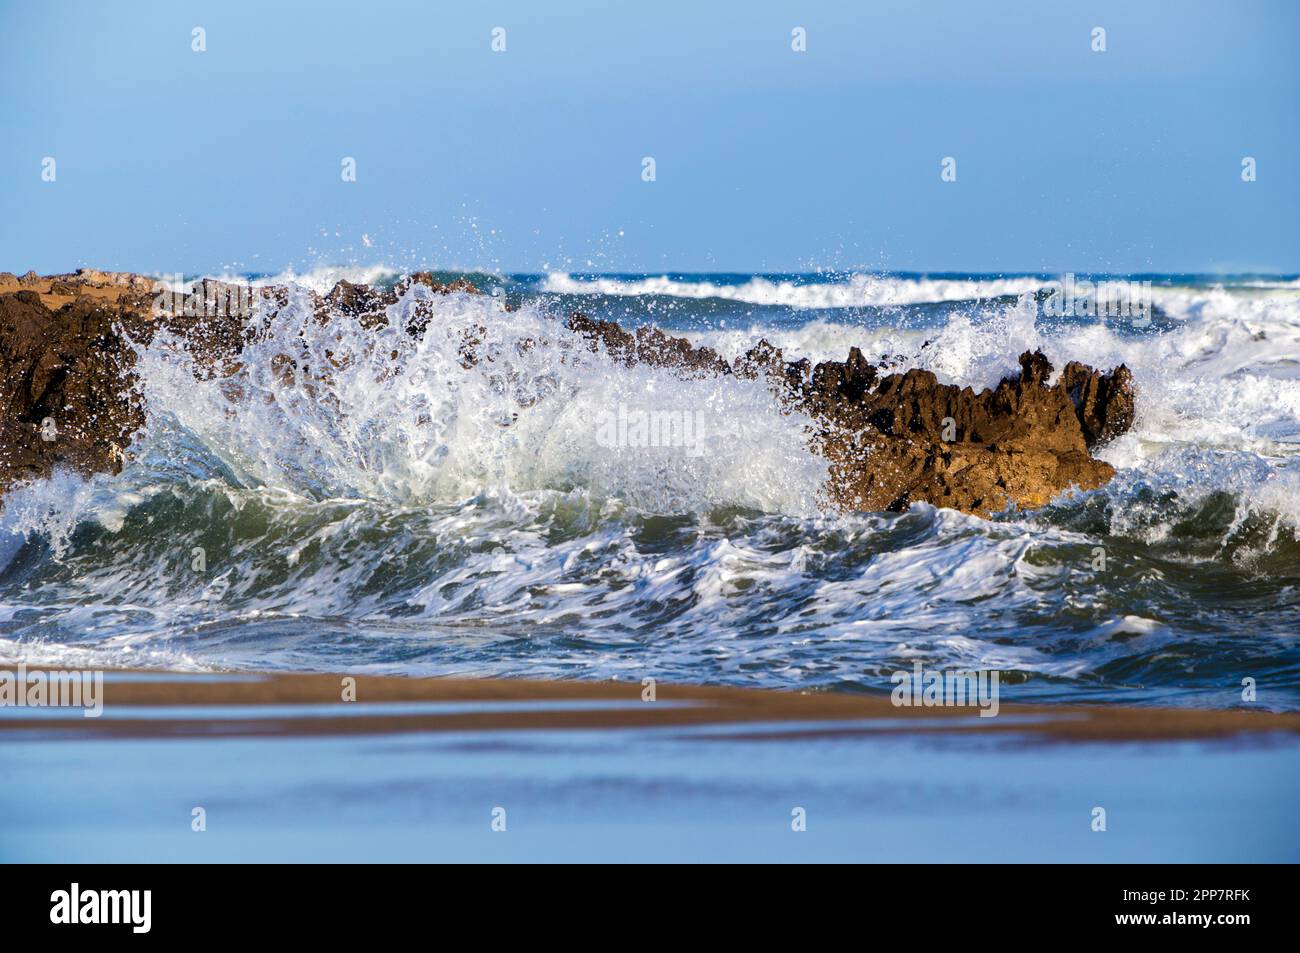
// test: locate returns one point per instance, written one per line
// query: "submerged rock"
(893, 437)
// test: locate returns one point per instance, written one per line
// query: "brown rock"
(904, 438)
(761, 360)
(648, 345)
(358, 300)
(912, 438)
(422, 313)
(439, 287)
(1103, 402)
(66, 373)
(66, 388)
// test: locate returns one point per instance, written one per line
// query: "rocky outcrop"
(109, 287)
(66, 387)
(1103, 402)
(68, 391)
(648, 345)
(896, 438)
(906, 437)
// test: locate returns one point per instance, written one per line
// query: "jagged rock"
(422, 313)
(359, 301)
(58, 290)
(905, 437)
(1103, 402)
(655, 347)
(648, 345)
(892, 438)
(912, 438)
(439, 287)
(95, 278)
(66, 388)
(761, 359)
(798, 374)
(617, 343)
(833, 382)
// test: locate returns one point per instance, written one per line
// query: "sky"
(168, 159)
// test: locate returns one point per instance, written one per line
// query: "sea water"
(394, 507)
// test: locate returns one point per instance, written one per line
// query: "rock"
(797, 374)
(421, 313)
(58, 290)
(1103, 402)
(761, 360)
(912, 438)
(358, 300)
(656, 348)
(648, 345)
(607, 335)
(439, 287)
(893, 436)
(66, 388)
(1035, 368)
(100, 279)
(904, 437)
(833, 382)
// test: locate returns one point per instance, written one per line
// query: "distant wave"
(857, 291)
(814, 292)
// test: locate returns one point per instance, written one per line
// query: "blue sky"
(766, 159)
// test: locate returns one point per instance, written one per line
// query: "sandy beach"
(157, 704)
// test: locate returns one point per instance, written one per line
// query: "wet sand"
(152, 704)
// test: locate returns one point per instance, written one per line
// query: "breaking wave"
(856, 291)
(365, 499)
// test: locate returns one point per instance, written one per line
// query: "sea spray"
(383, 415)
(380, 502)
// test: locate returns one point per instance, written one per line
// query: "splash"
(480, 399)
(444, 502)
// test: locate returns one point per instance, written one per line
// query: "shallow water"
(648, 795)
(403, 513)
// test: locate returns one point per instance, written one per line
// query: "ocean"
(411, 512)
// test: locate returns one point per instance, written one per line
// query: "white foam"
(384, 416)
(856, 291)
(407, 497)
